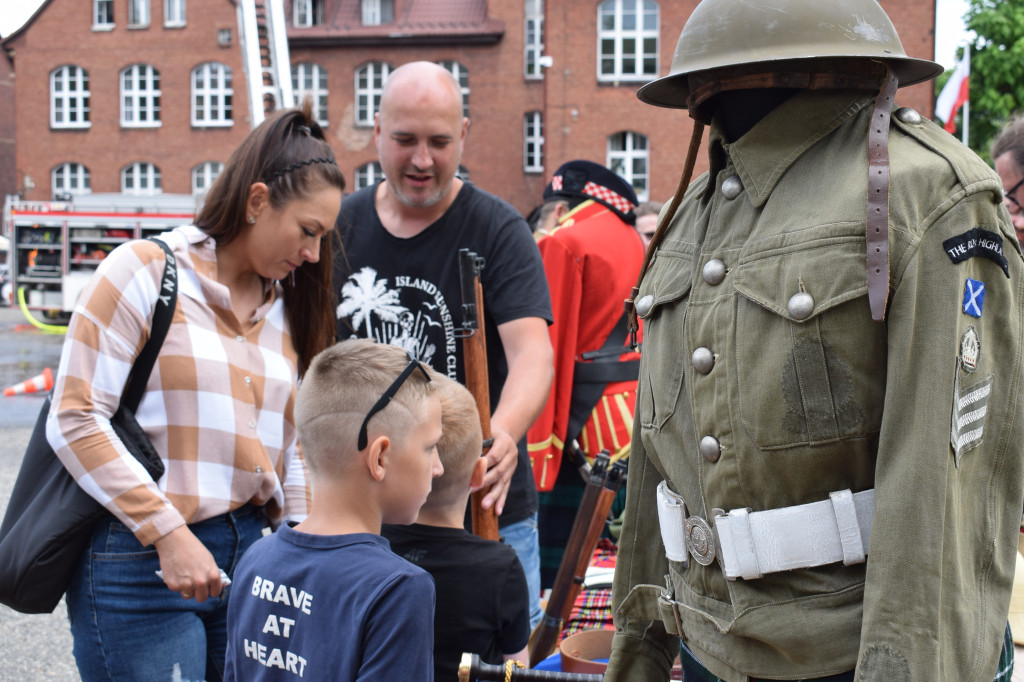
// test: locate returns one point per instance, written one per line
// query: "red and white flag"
(955, 93)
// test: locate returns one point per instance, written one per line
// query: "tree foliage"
(997, 68)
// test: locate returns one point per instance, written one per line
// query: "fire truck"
(55, 246)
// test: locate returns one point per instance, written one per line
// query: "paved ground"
(39, 647)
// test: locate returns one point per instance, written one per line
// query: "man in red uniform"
(591, 259)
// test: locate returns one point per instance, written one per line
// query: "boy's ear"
(476, 479)
(376, 457)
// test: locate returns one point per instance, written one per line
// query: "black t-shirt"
(407, 292)
(481, 604)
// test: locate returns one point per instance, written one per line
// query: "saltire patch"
(977, 242)
(969, 409)
(974, 297)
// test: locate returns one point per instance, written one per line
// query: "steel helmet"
(782, 35)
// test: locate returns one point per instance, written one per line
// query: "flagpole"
(967, 122)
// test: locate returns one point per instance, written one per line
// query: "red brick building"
(141, 96)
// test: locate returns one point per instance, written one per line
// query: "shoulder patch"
(977, 242)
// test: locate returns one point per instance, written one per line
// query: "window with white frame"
(69, 97)
(211, 95)
(174, 12)
(102, 15)
(141, 179)
(138, 13)
(533, 142)
(627, 40)
(204, 174)
(306, 13)
(70, 178)
(533, 39)
(368, 174)
(311, 79)
(140, 96)
(461, 74)
(629, 158)
(377, 12)
(369, 85)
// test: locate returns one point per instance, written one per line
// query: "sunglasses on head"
(381, 403)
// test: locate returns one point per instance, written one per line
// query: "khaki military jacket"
(810, 399)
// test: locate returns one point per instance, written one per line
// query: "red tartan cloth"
(593, 607)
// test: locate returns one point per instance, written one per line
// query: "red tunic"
(591, 259)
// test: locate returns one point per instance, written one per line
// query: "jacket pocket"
(661, 306)
(810, 361)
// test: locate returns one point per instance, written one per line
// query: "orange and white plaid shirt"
(218, 406)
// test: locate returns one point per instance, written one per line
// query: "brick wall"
(580, 111)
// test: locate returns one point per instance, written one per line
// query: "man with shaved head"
(397, 275)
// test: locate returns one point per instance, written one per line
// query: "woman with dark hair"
(149, 601)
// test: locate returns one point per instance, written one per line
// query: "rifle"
(472, 669)
(598, 495)
(474, 352)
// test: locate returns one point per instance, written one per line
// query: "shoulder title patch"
(977, 242)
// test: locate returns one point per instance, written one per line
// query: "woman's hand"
(187, 566)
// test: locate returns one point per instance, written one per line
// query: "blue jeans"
(126, 623)
(522, 537)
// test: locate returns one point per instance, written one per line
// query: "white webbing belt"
(750, 544)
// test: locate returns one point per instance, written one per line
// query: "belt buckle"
(701, 540)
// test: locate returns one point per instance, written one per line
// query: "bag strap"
(167, 298)
(591, 378)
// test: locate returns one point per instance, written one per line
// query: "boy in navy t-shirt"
(327, 599)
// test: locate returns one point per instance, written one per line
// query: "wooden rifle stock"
(598, 495)
(474, 353)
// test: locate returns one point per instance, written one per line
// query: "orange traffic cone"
(42, 382)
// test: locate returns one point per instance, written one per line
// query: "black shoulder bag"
(50, 518)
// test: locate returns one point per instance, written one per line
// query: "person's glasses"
(388, 395)
(1008, 193)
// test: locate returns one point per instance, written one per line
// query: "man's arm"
(530, 371)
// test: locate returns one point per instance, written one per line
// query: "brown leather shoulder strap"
(878, 200)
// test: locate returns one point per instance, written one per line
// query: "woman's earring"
(251, 219)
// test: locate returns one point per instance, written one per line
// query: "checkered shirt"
(218, 406)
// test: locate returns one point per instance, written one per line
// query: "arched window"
(69, 97)
(140, 96)
(369, 85)
(461, 74)
(629, 157)
(70, 179)
(204, 174)
(141, 179)
(627, 40)
(311, 79)
(211, 95)
(368, 174)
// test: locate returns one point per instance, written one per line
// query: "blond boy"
(326, 599)
(482, 597)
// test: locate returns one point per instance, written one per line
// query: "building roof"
(416, 22)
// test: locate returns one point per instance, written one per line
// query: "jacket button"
(703, 360)
(713, 272)
(908, 115)
(800, 305)
(644, 305)
(710, 448)
(731, 187)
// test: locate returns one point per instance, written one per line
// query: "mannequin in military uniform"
(825, 479)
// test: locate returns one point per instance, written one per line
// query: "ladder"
(265, 57)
